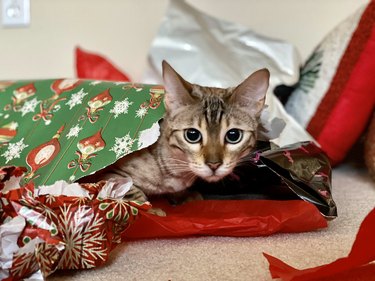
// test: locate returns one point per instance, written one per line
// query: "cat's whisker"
(244, 161)
(190, 174)
(195, 126)
(190, 177)
(177, 160)
(168, 163)
(180, 168)
(247, 159)
(175, 165)
(180, 171)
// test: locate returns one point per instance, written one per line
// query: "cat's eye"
(193, 135)
(234, 136)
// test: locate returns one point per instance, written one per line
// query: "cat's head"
(208, 130)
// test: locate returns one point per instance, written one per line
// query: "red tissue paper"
(94, 66)
(301, 169)
(356, 266)
(227, 218)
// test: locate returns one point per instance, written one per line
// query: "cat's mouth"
(213, 178)
(209, 175)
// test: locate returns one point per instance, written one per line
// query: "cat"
(204, 134)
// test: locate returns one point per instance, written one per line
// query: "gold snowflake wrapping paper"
(41, 231)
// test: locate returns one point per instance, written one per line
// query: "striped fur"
(173, 163)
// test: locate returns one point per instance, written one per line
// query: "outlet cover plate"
(15, 13)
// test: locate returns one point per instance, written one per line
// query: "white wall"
(123, 30)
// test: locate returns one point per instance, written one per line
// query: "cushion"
(94, 66)
(335, 95)
(370, 148)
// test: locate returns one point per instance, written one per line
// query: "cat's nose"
(213, 166)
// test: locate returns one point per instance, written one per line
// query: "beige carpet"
(223, 258)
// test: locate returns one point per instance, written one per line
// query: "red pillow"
(93, 66)
(370, 148)
(336, 92)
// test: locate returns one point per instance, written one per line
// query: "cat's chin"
(209, 176)
(213, 178)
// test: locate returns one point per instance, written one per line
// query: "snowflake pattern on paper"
(120, 83)
(40, 217)
(67, 105)
(74, 131)
(48, 257)
(141, 112)
(29, 106)
(24, 264)
(117, 210)
(76, 99)
(121, 107)
(14, 150)
(122, 146)
(96, 82)
(83, 240)
(50, 199)
(13, 125)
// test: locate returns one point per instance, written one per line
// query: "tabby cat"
(205, 132)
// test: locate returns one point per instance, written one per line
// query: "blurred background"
(124, 29)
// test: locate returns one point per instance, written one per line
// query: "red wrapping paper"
(356, 264)
(96, 218)
(227, 218)
(59, 231)
(93, 66)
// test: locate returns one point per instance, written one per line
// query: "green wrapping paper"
(66, 129)
(62, 130)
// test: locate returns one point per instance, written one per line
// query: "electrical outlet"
(15, 13)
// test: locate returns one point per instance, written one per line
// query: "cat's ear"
(251, 93)
(178, 90)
